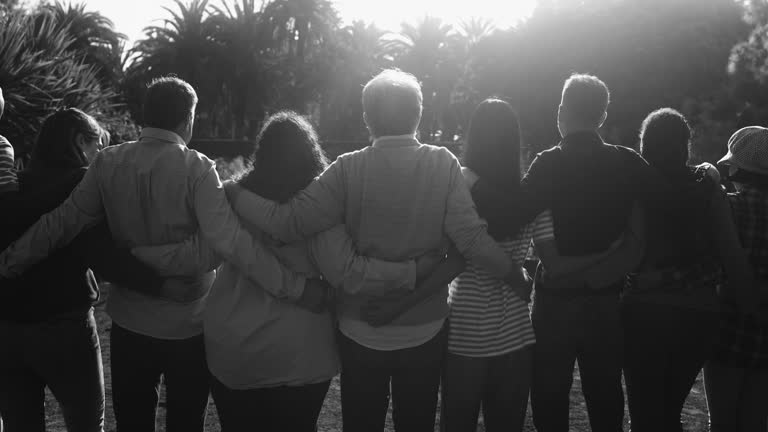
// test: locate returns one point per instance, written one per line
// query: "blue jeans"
(139, 363)
(500, 384)
(586, 328)
(665, 347)
(62, 354)
(282, 408)
(412, 374)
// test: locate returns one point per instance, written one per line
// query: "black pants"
(139, 362)
(412, 373)
(583, 328)
(665, 347)
(270, 409)
(500, 384)
(63, 354)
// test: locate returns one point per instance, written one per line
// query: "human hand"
(427, 263)
(382, 310)
(520, 282)
(314, 298)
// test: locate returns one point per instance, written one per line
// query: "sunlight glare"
(390, 14)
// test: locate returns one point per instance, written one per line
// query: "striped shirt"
(487, 317)
(8, 180)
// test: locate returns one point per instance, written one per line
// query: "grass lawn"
(694, 413)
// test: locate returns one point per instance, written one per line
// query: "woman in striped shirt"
(488, 363)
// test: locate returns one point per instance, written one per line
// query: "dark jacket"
(589, 186)
(62, 282)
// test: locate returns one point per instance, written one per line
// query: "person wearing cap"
(737, 375)
(8, 180)
(670, 304)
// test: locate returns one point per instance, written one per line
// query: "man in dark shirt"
(590, 187)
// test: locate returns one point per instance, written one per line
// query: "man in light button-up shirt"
(157, 191)
(399, 199)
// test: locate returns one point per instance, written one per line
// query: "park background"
(250, 58)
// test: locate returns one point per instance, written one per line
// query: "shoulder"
(626, 153)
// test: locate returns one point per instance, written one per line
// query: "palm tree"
(93, 37)
(40, 72)
(475, 30)
(357, 58)
(431, 50)
(183, 45)
(250, 72)
(297, 24)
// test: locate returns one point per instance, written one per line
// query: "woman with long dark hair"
(670, 306)
(490, 334)
(49, 339)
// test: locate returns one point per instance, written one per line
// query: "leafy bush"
(39, 73)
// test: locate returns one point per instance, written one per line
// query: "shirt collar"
(396, 141)
(581, 139)
(162, 135)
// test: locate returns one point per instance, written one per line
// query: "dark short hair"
(56, 145)
(586, 97)
(286, 159)
(492, 149)
(664, 139)
(168, 103)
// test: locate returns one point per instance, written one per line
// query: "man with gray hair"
(400, 199)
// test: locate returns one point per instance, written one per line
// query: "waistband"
(675, 279)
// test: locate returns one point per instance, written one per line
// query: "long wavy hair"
(56, 145)
(492, 149)
(287, 157)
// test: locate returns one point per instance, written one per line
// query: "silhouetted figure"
(669, 310)
(737, 376)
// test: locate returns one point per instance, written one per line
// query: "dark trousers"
(270, 409)
(63, 354)
(413, 374)
(138, 363)
(499, 384)
(583, 328)
(665, 347)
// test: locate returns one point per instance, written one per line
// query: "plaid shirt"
(744, 339)
(750, 212)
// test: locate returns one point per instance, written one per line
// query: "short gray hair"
(392, 102)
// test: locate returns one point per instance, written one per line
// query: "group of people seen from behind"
(396, 266)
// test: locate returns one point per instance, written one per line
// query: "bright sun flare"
(388, 14)
(130, 17)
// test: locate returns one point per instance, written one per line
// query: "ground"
(694, 413)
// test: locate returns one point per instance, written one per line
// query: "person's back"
(147, 190)
(592, 192)
(397, 210)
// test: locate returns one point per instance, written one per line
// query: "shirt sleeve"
(222, 230)
(468, 232)
(317, 208)
(81, 210)
(113, 263)
(192, 257)
(337, 259)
